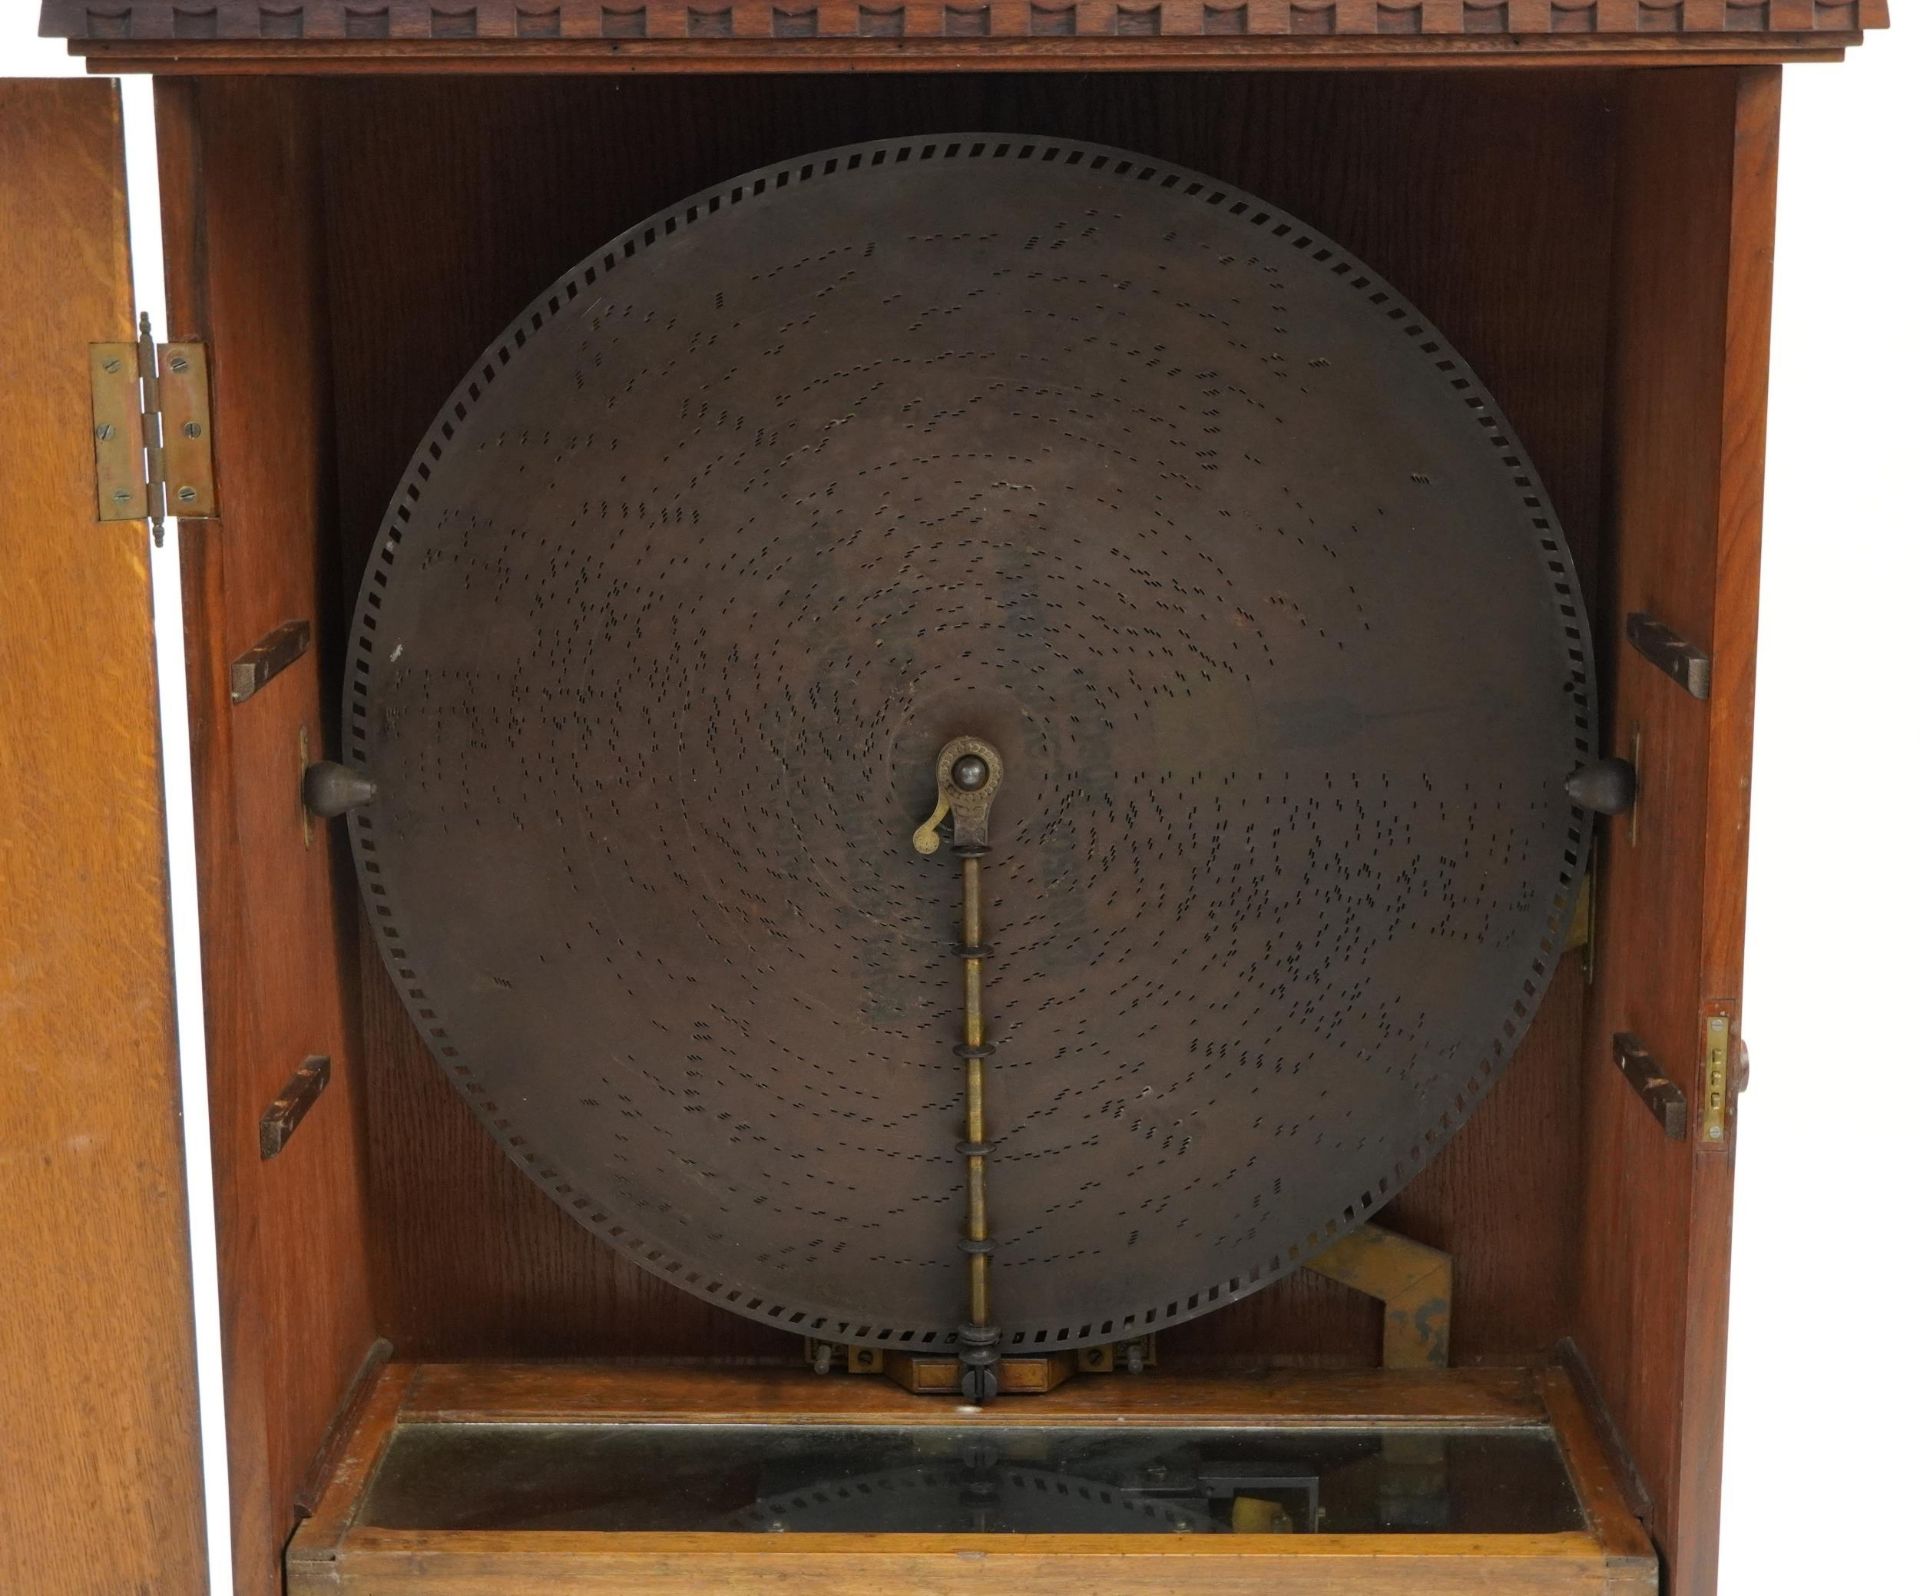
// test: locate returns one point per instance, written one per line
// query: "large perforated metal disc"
(1124, 471)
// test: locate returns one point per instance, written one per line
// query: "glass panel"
(982, 1479)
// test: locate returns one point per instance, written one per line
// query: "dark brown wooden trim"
(1492, 24)
(366, 1425)
(525, 1392)
(1012, 53)
(361, 1395)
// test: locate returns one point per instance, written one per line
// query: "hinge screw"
(104, 431)
(192, 429)
(188, 495)
(111, 364)
(177, 364)
(122, 496)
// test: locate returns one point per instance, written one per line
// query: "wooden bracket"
(1413, 1280)
(267, 659)
(285, 1112)
(931, 1374)
(938, 1373)
(1664, 1100)
(825, 1356)
(1691, 667)
(1110, 1357)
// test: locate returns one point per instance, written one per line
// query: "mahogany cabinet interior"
(347, 223)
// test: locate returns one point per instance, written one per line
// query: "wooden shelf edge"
(1240, 53)
(533, 1392)
(328, 1552)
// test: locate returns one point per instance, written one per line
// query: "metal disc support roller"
(330, 790)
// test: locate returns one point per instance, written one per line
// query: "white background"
(1820, 1424)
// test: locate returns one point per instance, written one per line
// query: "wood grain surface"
(241, 204)
(563, 1393)
(887, 57)
(331, 1553)
(99, 1428)
(472, 22)
(497, 1563)
(626, 36)
(1693, 281)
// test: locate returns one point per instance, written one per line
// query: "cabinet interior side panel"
(245, 273)
(450, 203)
(1687, 413)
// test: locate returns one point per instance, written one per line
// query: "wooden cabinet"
(354, 200)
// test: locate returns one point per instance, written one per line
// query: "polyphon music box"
(969, 789)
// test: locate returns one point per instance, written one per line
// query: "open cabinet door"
(99, 1443)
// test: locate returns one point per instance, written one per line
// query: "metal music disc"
(1130, 474)
(936, 1498)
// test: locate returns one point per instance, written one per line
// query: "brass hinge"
(152, 431)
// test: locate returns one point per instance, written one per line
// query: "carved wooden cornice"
(945, 32)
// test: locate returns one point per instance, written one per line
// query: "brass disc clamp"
(967, 775)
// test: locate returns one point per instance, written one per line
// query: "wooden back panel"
(99, 1423)
(451, 203)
